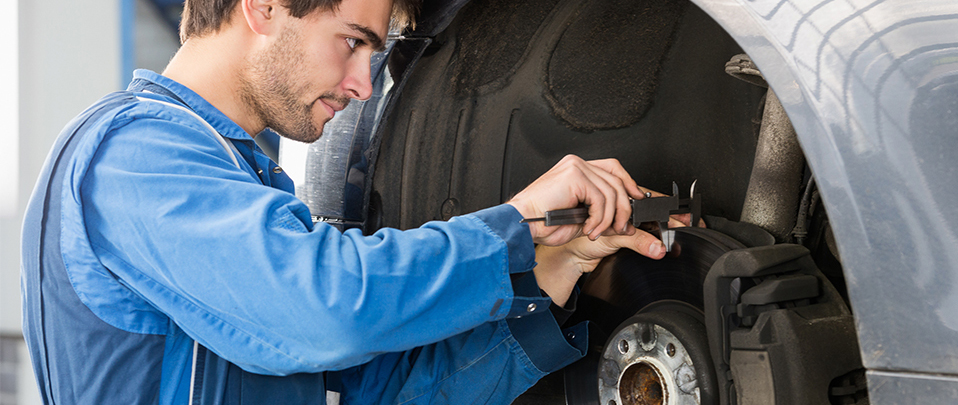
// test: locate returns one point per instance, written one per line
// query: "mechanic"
(166, 260)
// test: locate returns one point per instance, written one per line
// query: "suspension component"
(774, 187)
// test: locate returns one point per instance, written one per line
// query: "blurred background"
(59, 56)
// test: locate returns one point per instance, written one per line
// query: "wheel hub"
(647, 365)
(658, 352)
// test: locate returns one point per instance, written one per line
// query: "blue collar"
(182, 94)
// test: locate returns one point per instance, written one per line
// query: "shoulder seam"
(223, 142)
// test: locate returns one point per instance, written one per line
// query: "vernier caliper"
(648, 209)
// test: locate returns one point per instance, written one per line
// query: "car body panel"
(906, 388)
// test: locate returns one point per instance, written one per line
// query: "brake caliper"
(779, 332)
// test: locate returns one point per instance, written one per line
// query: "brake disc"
(657, 351)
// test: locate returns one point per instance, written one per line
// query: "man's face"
(314, 66)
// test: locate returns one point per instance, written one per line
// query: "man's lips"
(332, 106)
(329, 109)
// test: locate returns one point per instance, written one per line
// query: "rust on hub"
(641, 385)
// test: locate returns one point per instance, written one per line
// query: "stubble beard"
(270, 88)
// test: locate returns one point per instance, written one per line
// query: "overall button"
(277, 170)
(531, 307)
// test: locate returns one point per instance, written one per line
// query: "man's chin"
(300, 137)
(313, 137)
(305, 136)
(305, 139)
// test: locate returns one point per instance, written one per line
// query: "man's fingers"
(642, 242)
(629, 231)
(652, 192)
(604, 185)
(612, 166)
(610, 171)
(622, 205)
(595, 198)
(601, 210)
(614, 173)
(602, 199)
(680, 220)
(676, 223)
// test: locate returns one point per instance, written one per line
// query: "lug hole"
(670, 349)
(623, 346)
(647, 336)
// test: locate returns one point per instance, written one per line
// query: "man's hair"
(202, 17)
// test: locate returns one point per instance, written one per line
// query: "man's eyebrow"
(374, 40)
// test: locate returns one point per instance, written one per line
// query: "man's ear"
(261, 15)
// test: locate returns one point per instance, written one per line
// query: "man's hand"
(602, 184)
(559, 267)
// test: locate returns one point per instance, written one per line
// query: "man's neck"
(212, 66)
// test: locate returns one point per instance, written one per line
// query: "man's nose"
(358, 82)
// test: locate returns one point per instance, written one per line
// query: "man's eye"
(352, 43)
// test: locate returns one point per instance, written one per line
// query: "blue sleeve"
(493, 363)
(241, 269)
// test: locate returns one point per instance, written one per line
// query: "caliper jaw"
(659, 209)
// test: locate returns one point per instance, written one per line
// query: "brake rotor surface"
(625, 283)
